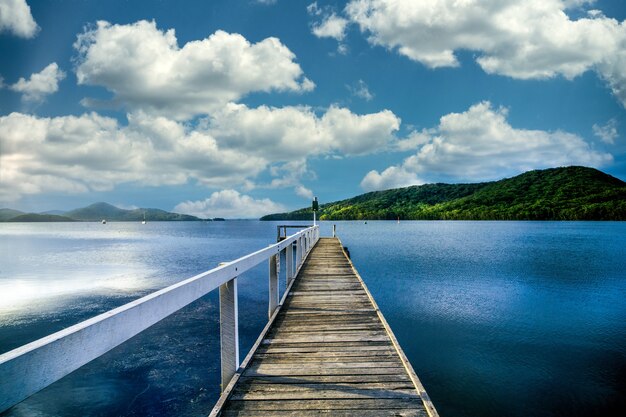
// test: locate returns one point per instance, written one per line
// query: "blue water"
(497, 318)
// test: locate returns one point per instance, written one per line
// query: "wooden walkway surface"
(328, 351)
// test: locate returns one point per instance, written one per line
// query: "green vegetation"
(571, 193)
(95, 212)
(99, 211)
(6, 214)
(34, 217)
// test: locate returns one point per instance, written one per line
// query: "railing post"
(334, 230)
(289, 263)
(229, 330)
(298, 253)
(274, 267)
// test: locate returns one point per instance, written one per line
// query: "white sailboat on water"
(144, 218)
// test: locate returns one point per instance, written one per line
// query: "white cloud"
(266, 2)
(290, 174)
(146, 70)
(392, 177)
(607, 132)
(533, 39)
(304, 192)
(313, 9)
(479, 144)
(332, 26)
(229, 204)
(15, 17)
(361, 90)
(572, 4)
(329, 25)
(90, 152)
(74, 154)
(41, 84)
(287, 133)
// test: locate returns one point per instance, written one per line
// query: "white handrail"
(32, 367)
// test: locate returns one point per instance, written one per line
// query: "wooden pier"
(327, 350)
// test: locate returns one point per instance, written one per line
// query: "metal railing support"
(298, 254)
(289, 263)
(274, 268)
(229, 331)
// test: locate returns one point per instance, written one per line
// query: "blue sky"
(240, 108)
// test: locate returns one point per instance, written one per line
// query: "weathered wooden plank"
(342, 326)
(336, 404)
(335, 413)
(365, 347)
(320, 360)
(326, 379)
(318, 394)
(323, 371)
(249, 385)
(337, 311)
(356, 336)
(264, 367)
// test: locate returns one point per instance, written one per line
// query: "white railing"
(32, 367)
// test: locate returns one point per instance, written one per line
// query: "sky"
(239, 108)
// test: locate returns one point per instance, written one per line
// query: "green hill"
(571, 193)
(95, 212)
(99, 211)
(6, 214)
(34, 217)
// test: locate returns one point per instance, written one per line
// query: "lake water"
(497, 318)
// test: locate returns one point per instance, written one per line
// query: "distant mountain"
(34, 217)
(6, 214)
(570, 193)
(55, 212)
(99, 211)
(95, 212)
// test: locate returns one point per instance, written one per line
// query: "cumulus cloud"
(229, 204)
(40, 84)
(361, 90)
(304, 192)
(533, 39)
(146, 70)
(75, 154)
(479, 144)
(15, 17)
(328, 24)
(332, 26)
(607, 132)
(295, 132)
(392, 177)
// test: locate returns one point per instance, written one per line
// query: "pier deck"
(328, 350)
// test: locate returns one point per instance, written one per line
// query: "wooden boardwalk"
(327, 351)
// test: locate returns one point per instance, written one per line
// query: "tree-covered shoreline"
(570, 193)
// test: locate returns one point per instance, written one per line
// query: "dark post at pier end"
(315, 207)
